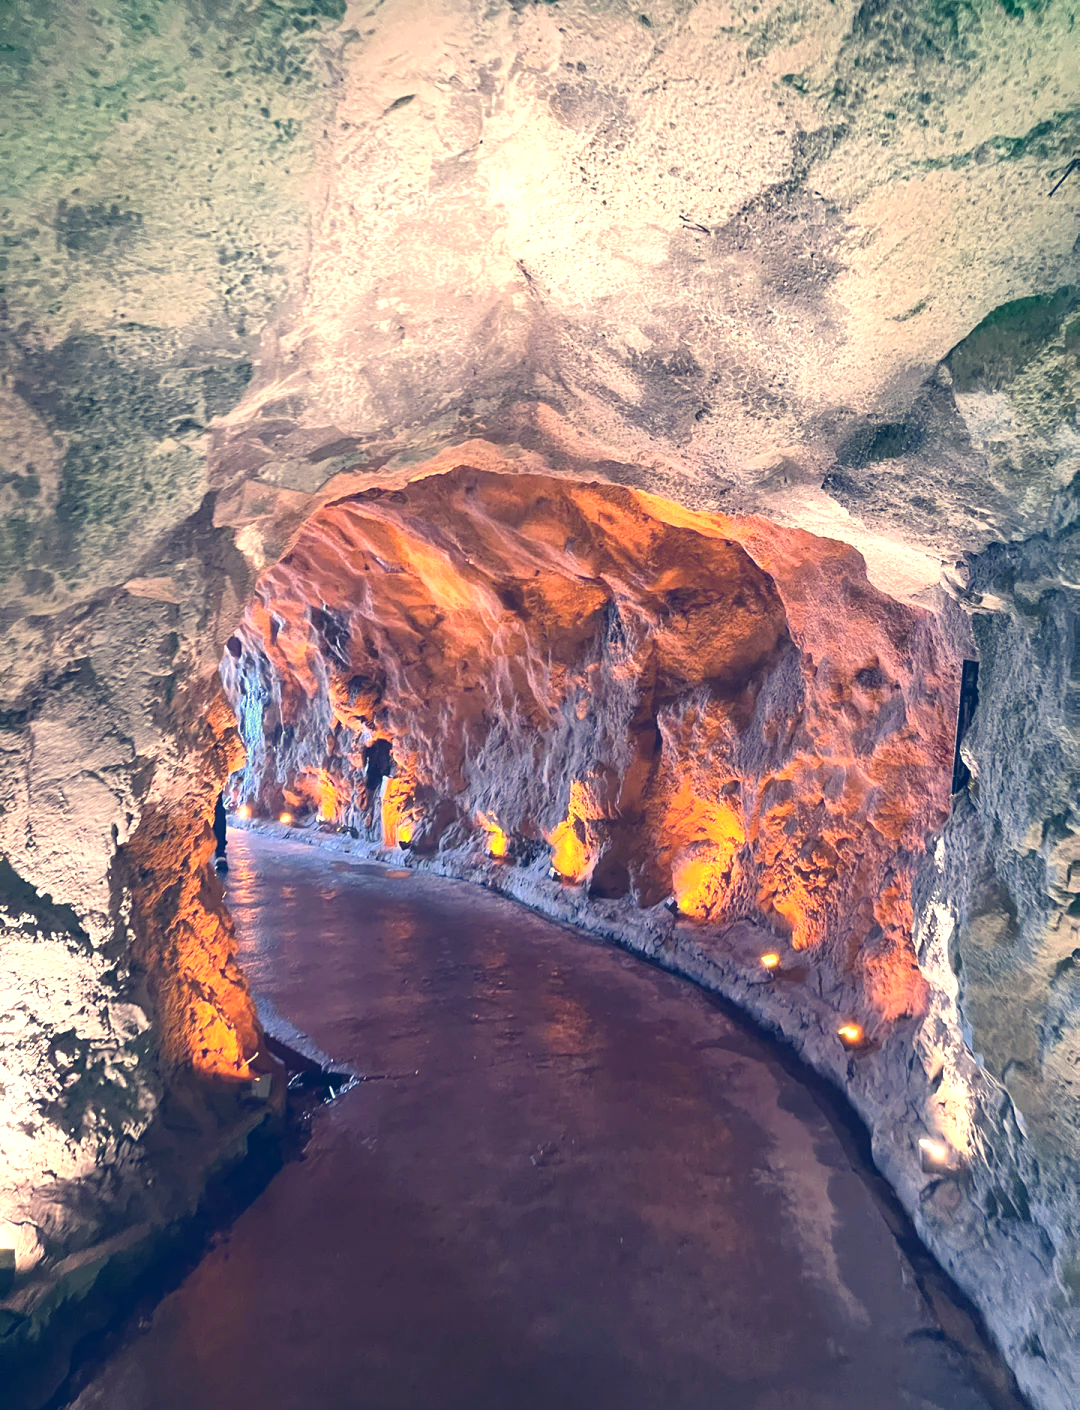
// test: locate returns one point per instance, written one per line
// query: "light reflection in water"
(568, 1031)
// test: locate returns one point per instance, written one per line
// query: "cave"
(627, 461)
(661, 705)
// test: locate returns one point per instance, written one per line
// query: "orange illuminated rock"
(496, 839)
(184, 935)
(396, 819)
(682, 704)
(571, 855)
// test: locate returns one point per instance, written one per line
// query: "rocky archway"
(677, 705)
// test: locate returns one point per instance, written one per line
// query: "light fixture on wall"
(937, 1157)
(770, 961)
(497, 843)
(285, 818)
(850, 1034)
(243, 811)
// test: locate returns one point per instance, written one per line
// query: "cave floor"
(575, 1183)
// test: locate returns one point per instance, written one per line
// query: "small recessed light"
(936, 1155)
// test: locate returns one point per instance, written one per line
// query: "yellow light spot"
(286, 818)
(396, 806)
(850, 1034)
(703, 839)
(243, 811)
(771, 960)
(937, 1151)
(496, 838)
(570, 856)
(326, 795)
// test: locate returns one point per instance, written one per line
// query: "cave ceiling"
(800, 261)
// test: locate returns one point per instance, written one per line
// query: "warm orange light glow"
(243, 811)
(496, 838)
(286, 818)
(771, 960)
(936, 1151)
(814, 825)
(850, 1034)
(703, 838)
(399, 816)
(207, 1018)
(329, 803)
(569, 855)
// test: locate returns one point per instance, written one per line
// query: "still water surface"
(572, 1183)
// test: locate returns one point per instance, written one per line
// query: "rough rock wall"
(996, 932)
(156, 175)
(1021, 933)
(124, 1021)
(679, 704)
(126, 1028)
(729, 245)
(1001, 910)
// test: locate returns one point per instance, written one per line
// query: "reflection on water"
(555, 1188)
(240, 880)
(568, 1031)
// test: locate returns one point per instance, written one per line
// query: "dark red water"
(576, 1185)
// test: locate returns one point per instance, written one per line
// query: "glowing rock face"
(706, 872)
(570, 852)
(681, 704)
(497, 844)
(397, 826)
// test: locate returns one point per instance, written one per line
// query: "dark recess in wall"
(969, 700)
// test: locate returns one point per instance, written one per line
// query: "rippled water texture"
(575, 1183)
